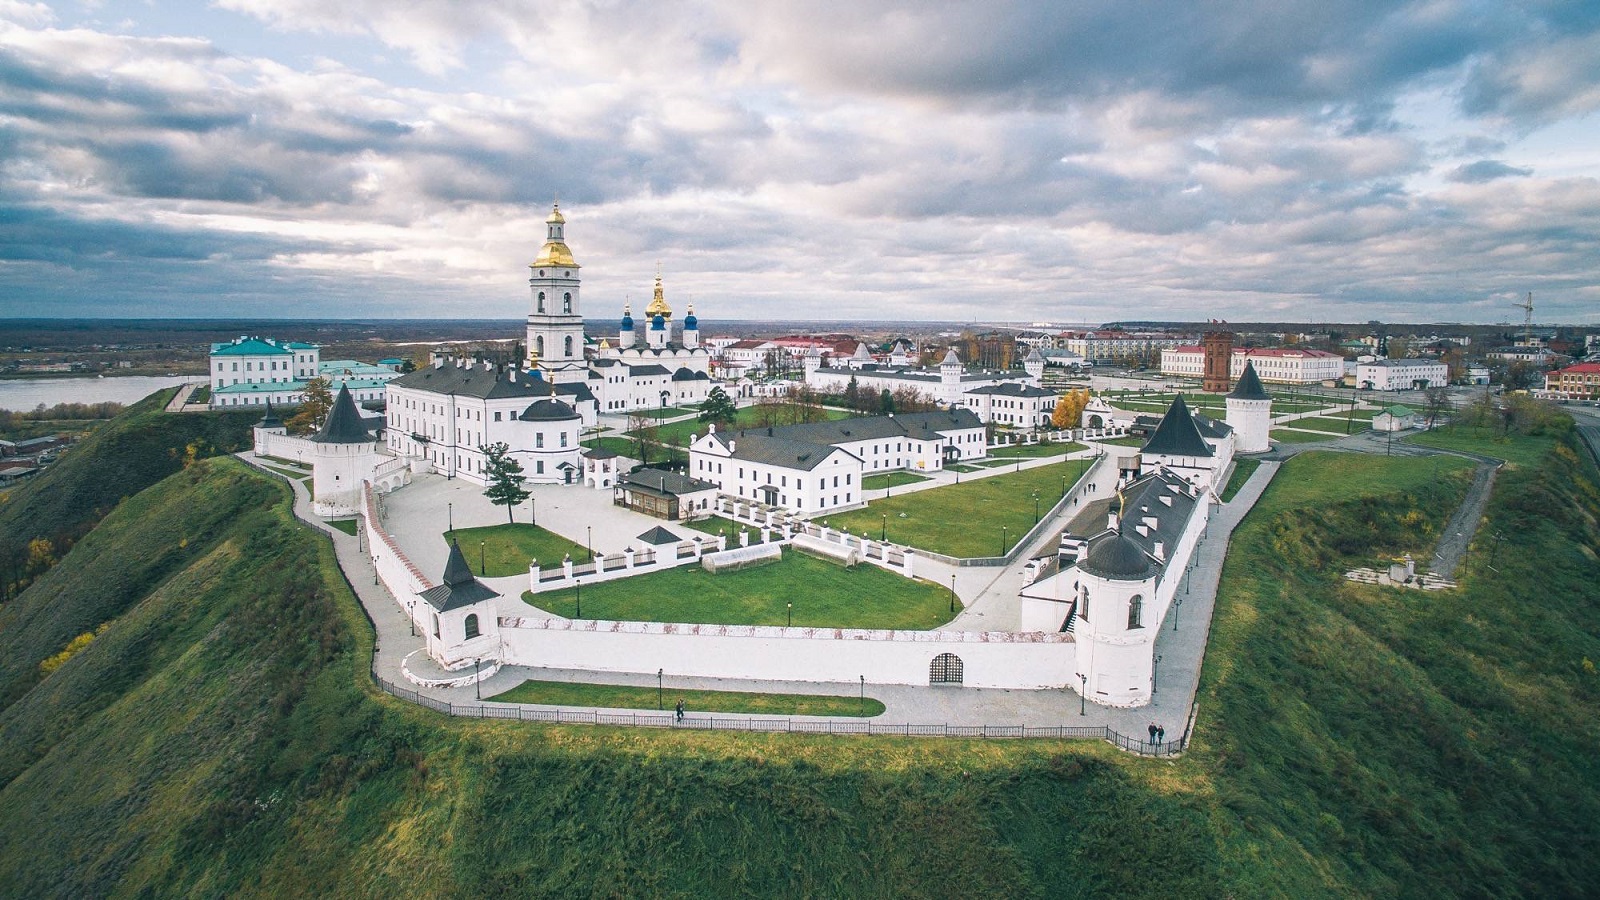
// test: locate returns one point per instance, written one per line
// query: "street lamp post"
(884, 534)
(577, 585)
(1177, 605)
(1035, 507)
(589, 540)
(790, 612)
(533, 509)
(483, 553)
(1083, 689)
(659, 674)
(476, 681)
(1153, 670)
(1002, 540)
(952, 593)
(450, 520)
(411, 613)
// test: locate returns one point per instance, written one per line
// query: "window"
(566, 303)
(563, 438)
(497, 417)
(538, 344)
(1135, 612)
(538, 467)
(472, 626)
(435, 624)
(538, 440)
(568, 346)
(541, 301)
(1083, 605)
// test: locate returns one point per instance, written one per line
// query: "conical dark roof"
(1249, 386)
(269, 419)
(658, 536)
(1177, 435)
(460, 587)
(1117, 558)
(344, 422)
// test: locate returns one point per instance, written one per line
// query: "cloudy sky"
(1067, 161)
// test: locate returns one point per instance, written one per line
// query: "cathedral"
(654, 372)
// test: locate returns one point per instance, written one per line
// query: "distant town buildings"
(1401, 374)
(1273, 365)
(1577, 382)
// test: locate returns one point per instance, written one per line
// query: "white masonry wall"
(990, 659)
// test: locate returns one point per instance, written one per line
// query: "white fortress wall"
(989, 659)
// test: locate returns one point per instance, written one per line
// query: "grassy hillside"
(221, 736)
(123, 457)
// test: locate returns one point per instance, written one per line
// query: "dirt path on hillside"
(1458, 532)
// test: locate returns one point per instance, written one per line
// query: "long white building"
(1277, 365)
(1401, 374)
(817, 467)
(1012, 399)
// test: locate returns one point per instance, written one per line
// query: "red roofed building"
(1579, 382)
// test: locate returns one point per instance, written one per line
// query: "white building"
(1250, 413)
(344, 454)
(817, 467)
(1118, 345)
(447, 413)
(1012, 404)
(1274, 365)
(1197, 448)
(1121, 566)
(1394, 418)
(253, 371)
(1401, 374)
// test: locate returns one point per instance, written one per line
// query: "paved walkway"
(1181, 642)
(1463, 524)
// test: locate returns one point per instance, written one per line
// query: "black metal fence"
(795, 726)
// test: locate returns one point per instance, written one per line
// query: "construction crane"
(1527, 319)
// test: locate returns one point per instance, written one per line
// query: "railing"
(479, 710)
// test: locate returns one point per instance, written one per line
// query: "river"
(23, 394)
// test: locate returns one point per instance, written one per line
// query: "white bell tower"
(555, 326)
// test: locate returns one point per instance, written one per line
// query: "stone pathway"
(1456, 538)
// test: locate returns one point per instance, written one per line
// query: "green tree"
(313, 409)
(852, 395)
(886, 402)
(719, 408)
(505, 478)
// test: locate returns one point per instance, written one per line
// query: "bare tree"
(645, 430)
(1438, 400)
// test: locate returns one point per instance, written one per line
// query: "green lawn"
(1292, 436)
(622, 696)
(506, 549)
(670, 412)
(1129, 441)
(1035, 451)
(1518, 449)
(959, 467)
(348, 526)
(824, 594)
(890, 480)
(965, 519)
(722, 525)
(1331, 423)
(301, 474)
(289, 463)
(748, 417)
(619, 445)
(1242, 470)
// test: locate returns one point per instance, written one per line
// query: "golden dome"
(556, 218)
(554, 254)
(658, 304)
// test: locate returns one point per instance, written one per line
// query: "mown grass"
(622, 696)
(1036, 451)
(1242, 470)
(1517, 449)
(619, 445)
(1128, 441)
(890, 480)
(966, 519)
(348, 526)
(720, 525)
(1296, 436)
(1332, 423)
(749, 417)
(824, 594)
(501, 550)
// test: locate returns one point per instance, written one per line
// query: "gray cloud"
(1486, 170)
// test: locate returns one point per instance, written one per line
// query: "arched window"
(1083, 605)
(472, 626)
(541, 301)
(568, 346)
(566, 303)
(538, 344)
(1136, 612)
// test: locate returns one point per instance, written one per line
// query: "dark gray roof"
(1114, 556)
(598, 453)
(777, 451)
(658, 536)
(460, 588)
(1212, 428)
(344, 422)
(547, 410)
(687, 374)
(665, 483)
(269, 419)
(1249, 386)
(1013, 389)
(651, 369)
(923, 426)
(477, 381)
(1177, 435)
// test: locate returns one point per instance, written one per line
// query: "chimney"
(1111, 518)
(713, 428)
(1161, 551)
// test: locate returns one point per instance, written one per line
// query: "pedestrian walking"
(1152, 732)
(680, 710)
(1161, 733)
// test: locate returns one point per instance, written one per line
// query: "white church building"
(1012, 399)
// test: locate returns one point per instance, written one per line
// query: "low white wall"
(990, 659)
(286, 446)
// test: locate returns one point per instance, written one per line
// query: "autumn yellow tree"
(1069, 409)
